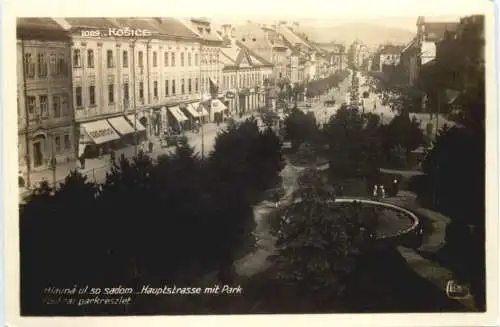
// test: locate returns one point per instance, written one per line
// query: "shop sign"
(101, 133)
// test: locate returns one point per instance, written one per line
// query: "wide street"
(95, 169)
(322, 112)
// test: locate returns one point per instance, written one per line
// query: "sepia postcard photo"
(222, 162)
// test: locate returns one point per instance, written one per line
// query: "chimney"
(227, 30)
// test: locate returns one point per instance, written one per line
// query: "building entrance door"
(37, 154)
(243, 104)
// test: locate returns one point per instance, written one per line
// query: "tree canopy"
(175, 217)
(354, 145)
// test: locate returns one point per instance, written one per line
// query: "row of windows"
(57, 143)
(59, 106)
(187, 86)
(169, 59)
(245, 80)
(53, 64)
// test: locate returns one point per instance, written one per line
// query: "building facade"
(387, 56)
(422, 49)
(210, 67)
(244, 74)
(267, 43)
(141, 82)
(45, 111)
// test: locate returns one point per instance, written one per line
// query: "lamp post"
(199, 110)
(53, 162)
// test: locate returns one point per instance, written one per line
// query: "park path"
(256, 261)
(432, 242)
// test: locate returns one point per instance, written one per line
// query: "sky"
(407, 23)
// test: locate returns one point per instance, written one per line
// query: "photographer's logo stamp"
(457, 291)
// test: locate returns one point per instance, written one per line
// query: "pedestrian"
(82, 162)
(395, 186)
(382, 191)
(150, 145)
(375, 190)
(112, 156)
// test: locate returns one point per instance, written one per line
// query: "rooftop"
(45, 29)
(391, 49)
(436, 31)
(38, 22)
(203, 29)
(291, 37)
(89, 22)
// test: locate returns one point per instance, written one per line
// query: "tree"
(318, 241)
(402, 132)
(300, 127)
(354, 146)
(174, 218)
(269, 118)
(454, 185)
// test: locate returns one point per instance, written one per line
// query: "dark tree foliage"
(269, 117)
(317, 87)
(301, 127)
(319, 241)
(454, 184)
(174, 218)
(401, 133)
(354, 143)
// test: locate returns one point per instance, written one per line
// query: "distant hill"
(369, 34)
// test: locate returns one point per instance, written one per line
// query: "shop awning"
(178, 114)
(135, 121)
(198, 106)
(192, 111)
(217, 106)
(100, 131)
(120, 124)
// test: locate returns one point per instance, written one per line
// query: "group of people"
(380, 192)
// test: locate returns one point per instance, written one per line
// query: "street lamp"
(200, 111)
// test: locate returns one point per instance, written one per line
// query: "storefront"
(157, 121)
(96, 138)
(179, 121)
(124, 129)
(217, 110)
(203, 114)
(192, 114)
(139, 129)
(231, 102)
(243, 101)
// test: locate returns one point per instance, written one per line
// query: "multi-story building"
(422, 49)
(458, 72)
(125, 86)
(45, 114)
(358, 55)
(388, 56)
(302, 53)
(267, 43)
(210, 67)
(244, 74)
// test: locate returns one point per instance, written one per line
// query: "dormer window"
(208, 30)
(254, 39)
(200, 30)
(243, 39)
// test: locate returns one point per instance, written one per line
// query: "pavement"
(432, 242)
(256, 261)
(96, 169)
